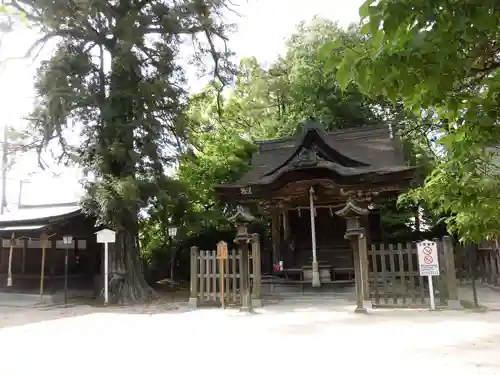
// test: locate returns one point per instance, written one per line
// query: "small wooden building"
(32, 257)
(310, 184)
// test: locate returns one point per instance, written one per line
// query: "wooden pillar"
(451, 275)
(53, 259)
(11, 254)
(193, 291)
(2, 257)
(256, 298)
(276, 235)
(286, 228)
(366, 223)
(44, 244)
(23, 259)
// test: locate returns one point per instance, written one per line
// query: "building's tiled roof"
(40, 214)
(371, 148)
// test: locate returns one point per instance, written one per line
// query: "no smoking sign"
(428, 258)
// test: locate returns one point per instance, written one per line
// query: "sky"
(262, 28)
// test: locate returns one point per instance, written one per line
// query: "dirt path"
(294, 337)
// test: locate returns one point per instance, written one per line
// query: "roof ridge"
(356, 132)
(49, 205)
(360, 130)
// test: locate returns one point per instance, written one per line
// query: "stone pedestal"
(193, 303)
(256, 302)
(316, 283)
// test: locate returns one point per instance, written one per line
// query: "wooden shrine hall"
(321, 189)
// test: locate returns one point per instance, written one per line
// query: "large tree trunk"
(126, 278)
(118, 151)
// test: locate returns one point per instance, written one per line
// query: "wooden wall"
(78, 260)
(331, 247)
(84, 256)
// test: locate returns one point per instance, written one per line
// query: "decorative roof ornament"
(306, 158)
(312, 124)
(243, 216)
(307, 126)
(351, 209)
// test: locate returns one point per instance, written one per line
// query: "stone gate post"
(451, 273)
(193, 291)
(256, 298)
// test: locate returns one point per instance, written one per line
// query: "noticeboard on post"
(222, 250)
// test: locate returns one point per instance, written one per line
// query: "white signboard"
(428, 258)
(106, 236)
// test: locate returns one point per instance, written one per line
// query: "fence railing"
(487, 261)
(206, 275)
(489, 266)
(395, 278)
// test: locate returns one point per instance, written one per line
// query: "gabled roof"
(350, 152)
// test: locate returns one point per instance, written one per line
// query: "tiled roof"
(38, 214)
(371, 148)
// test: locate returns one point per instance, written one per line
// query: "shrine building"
(321, 190)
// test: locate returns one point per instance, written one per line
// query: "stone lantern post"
(355, 233)
(243, 238)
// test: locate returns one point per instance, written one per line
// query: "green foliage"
(316, 92)
(440, 57)
(267, 103)
(219, 152)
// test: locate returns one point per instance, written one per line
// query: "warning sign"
(428, 258)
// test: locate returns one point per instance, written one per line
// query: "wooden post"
(316, 282)
(52, 259)
(256, 300)
(23, 260)
(222, 255)
(442, 285)
(276, 237)
(286, 235)
(43, 240)
(222, 280)
(451, 276)
(11, 250)
(193, 293)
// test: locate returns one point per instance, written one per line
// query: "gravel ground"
(291, 336)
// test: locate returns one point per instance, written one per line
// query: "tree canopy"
(441, 59)
(269, 101)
